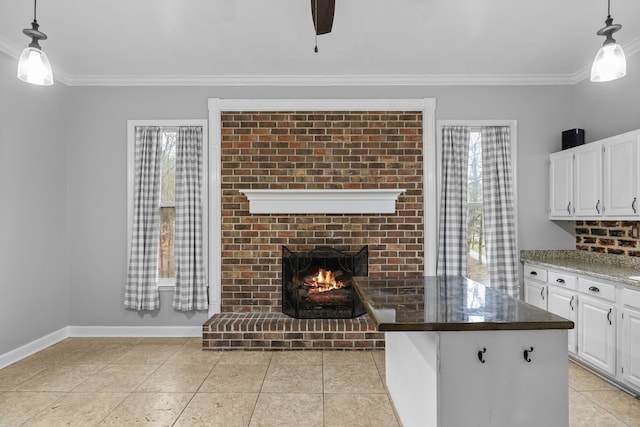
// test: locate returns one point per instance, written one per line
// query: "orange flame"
(324, 282)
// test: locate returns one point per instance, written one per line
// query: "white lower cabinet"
(606, 315)
(535, 293)
(429, 374)
(564, 302)
(631, 338)
(597, 333)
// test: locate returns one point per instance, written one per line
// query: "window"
(477, 233)
(167, 205)
(166, 259)
(476, 237)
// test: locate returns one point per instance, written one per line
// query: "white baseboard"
(135, 331)
(34, 346)
(39, 344)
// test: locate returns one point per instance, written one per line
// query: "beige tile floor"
(172, 382)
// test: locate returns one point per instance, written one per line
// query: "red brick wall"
(613, 237)
(316, 150)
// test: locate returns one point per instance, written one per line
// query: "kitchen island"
(462, 354)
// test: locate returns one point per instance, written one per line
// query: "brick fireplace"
(312, 150)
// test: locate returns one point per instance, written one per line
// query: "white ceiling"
(271, 41)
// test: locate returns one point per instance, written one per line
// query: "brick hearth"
(277, 331)
(311, 150)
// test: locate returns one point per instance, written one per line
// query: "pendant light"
(610, 63)
(34, 66)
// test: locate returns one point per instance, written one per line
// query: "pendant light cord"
(608, 7)
(315, 25)
(34, 9)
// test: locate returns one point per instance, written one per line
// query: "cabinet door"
(596, 336)
(621, 175)
(561, 184)
(564, 303)
(631, 347)
(588, 180)
(535, 293)
(505, 390)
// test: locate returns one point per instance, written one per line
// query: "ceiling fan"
(322, 12)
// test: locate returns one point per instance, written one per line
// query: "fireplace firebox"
(318, 284)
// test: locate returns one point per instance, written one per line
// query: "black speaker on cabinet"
(572, 138)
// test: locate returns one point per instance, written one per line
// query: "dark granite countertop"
(615, 268)
(448, 304)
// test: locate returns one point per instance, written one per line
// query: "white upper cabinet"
(621, 174)
(596, 180)
(588, 180)
(561, 189)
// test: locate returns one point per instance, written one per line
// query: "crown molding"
(9, 48)
(630, 48)
(327, 80)
(307, 104)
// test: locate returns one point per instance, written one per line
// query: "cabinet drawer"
(562, 279)
(631, 297)
(599, 289)
(534, 272)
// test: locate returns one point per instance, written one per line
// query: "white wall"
(63, 188)
(542, 113)
(97, 201)
(97, 186)
(611, 108)
(34, 289)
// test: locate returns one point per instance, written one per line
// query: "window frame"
(168, 284)
(475, 125)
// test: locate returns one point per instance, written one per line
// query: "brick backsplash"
(316, 150)
(612, 237)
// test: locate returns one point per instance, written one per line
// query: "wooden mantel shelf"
(348, 201)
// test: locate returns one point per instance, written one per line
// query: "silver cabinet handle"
(571, 302)
(569, 208)
(542, 292)
(598, 206)
(633, 205)
(609, 315)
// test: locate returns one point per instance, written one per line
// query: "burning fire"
(324, 282)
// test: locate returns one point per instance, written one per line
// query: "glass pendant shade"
(34, 67)
(609, 64)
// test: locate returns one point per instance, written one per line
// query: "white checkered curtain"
(452, 253)
(191, 290)
(499, 222)
(141, 290)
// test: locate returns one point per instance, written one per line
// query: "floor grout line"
(587, 387)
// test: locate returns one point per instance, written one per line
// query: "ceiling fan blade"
(325, 11)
